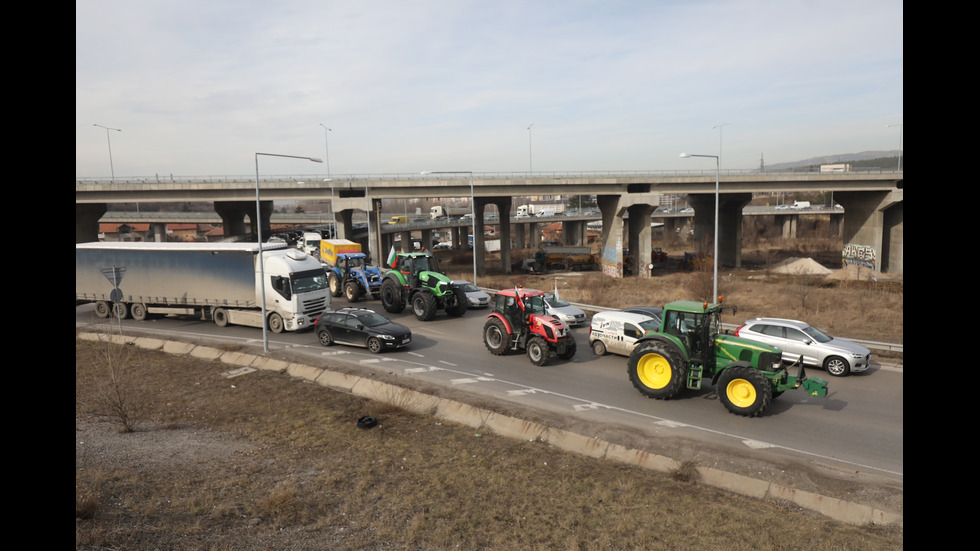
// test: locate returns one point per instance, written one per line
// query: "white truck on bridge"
(441, 211)
(216, 281)
(540, 209)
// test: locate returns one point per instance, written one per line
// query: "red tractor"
(519, 322)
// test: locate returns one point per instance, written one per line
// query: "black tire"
(352, 291)
(657, 370)
(103, 309)
(456, 305)
(537, 351)
(374, 345)
(424, 306)
(324, 337)
(495, 337)
(599, 348)
(744, 391)
(275, 323)
(567, 349)
(391, 296)
(220, 317)
(336, 289)
(837, 366)
(138, 311)
(120, 310)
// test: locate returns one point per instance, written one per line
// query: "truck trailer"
(214, 281)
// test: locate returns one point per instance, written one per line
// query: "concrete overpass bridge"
(873, 204)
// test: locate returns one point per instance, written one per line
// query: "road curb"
(521, 429)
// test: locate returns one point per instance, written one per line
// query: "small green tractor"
(689, 348)
(414, 278)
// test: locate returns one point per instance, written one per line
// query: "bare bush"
(110, 394)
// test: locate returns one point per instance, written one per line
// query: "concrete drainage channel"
(512, 427)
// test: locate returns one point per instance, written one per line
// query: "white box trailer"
(216, 281)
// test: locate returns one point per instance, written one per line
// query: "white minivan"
(617, 332)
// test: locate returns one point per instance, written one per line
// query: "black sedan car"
(652, 311)
(361, 327)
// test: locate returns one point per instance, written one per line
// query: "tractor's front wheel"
(424, 306)
(335, 288)
(537, 351)
(566, 350)
(352, 291)
(456, 304)
(657, 370)
(744, 391)
(391, 296)
(495, 337)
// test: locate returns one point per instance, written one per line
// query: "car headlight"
(386, 337)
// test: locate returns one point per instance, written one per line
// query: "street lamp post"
(714, 289)
(326, 142)
(258, 227)
(472, 208)
(720, 128)
(530, 159)
(112, 170)
(901, 129)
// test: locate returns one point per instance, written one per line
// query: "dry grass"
(264, 461)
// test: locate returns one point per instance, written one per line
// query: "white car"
(475, 298)
(796, 338)
(555, 306)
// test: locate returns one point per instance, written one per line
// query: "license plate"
(407, 340)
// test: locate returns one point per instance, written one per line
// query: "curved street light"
(714, 262)
(107, 129)
(258, 227)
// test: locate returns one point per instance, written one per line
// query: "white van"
(617, 332)
(800, 205)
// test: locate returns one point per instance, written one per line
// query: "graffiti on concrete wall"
(859, 255)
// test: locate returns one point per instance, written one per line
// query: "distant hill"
(865, 159)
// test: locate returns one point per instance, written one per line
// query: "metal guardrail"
(870, 345)
(340, 178)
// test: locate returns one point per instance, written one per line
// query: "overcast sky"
(198, 87)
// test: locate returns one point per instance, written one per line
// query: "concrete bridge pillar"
(729, 225)
(503, 211)
(87, 217)
(612, 234)
(790, 222)
(640, 238)
(233, 215)
(159, 231)
(875, 221)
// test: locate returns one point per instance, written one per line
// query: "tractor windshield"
(534, 304)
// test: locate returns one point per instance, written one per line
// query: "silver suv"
(796, 338)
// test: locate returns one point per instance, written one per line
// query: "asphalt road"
(856, 428)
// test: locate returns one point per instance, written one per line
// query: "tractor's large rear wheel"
(424, 306)
(391, 296)
(657, 370)
(495, 337)
(744, 391)
(537, 351)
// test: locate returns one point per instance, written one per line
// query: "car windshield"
(815, 334)
(650, 325)
(314, 280)
(372, 319)
(470, 288)
(555, 302)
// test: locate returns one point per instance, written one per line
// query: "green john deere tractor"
(690, 347)
(415, 279)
